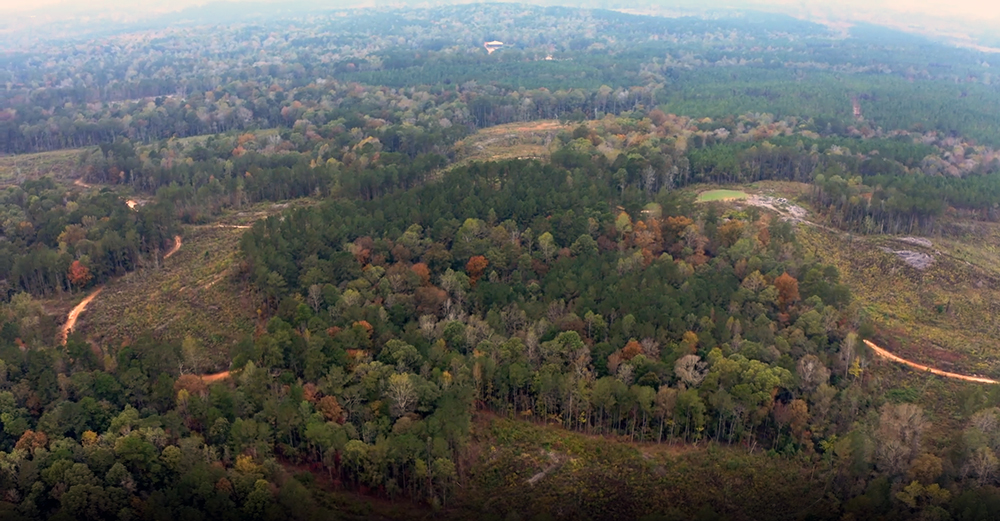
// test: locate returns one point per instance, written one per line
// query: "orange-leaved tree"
(475, 268)
(788, 289)
(79, 275)
(631, 349)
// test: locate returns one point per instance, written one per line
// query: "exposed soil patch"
(916, 259)
(781, 206)
(215, 377)
(917, 241)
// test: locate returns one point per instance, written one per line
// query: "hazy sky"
(973, 10)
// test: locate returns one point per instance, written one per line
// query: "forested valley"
(496, 294)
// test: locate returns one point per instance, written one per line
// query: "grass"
(59, 164)
(943, 316)
(530, 140)
(601, 478)
(190, 294)
(720, 195)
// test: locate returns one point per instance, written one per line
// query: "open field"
(528, 140)
(190, 294)
(60, 164)
(944, 315)
(720, 195)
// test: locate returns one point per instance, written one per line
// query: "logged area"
(289, 262)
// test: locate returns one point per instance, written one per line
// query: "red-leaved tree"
(79, 275)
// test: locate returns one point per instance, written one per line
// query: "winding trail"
(889, 356)
(176, 246)
(74, 314)
(79, 182)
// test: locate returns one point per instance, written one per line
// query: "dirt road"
(233, 226)
(176, 246)
(887, 355)
(80, 183)
(209, 378)
(74, 314)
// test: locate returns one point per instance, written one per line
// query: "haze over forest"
(502, 261)
(966, 22)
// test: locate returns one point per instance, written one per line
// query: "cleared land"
(942, 312)
(60, 164)
(190, 294)
(529, 140)
(175, 300)
(720, 195)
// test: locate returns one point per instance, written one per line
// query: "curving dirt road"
(176, 246)
(74, 314)
(889, 356)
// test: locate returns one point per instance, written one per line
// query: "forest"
(498, 338)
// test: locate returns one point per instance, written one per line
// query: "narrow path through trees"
(209, 378)
(887, 355)
(74, 314)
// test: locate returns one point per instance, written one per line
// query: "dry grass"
(943, 316)
(176, 300)
(192, 293)
(59, 164)
(529, 140)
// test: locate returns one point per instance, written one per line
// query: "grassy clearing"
(944, 316)
(59, 164)
(592, 477)
(191, 294)
(720, 195)
(513, 141)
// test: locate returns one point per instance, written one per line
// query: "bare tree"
(812, 372)
(315, 297)
(402, 394)
(982, 465)
(897, 439)
(691, 370)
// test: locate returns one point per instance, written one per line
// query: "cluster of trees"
(57, 240)
(543, 300)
